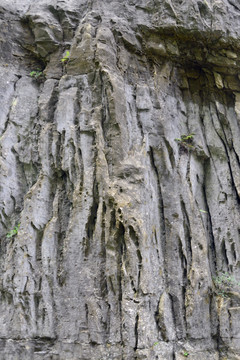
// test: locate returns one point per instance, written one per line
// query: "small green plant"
(13, 232)
(185, 139)
(224, 278)
(185, 142)
(36, 74)
(224, 283)
(65, 59)
(186, 353)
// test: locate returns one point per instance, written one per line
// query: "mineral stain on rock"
(122, 166)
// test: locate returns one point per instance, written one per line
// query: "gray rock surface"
(119, 158)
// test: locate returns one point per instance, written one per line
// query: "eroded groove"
(91, 223)
(135, 240)
(174, 308)
(103, 255)
(105, 111)
(136, 332)
(170, 153)
(233, 251)
(187, 235)
(234, 4)
(212, 247)
(185, 268)
(224, 254)
(39, 237)
(121, 251)
(161, 205)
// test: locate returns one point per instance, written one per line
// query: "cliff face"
(119, 158)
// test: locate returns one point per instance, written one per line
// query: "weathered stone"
(120, 162)
(232, 82)
(237, 105)
(157, 48)
(218, 80)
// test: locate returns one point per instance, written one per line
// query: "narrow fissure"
(212, 247)
(136, 332)
(121, 249)
(91, 223)
(161, 205)
(187, 236)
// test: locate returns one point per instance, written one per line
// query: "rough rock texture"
(121, 165)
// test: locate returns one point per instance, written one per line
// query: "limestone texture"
(119, 179)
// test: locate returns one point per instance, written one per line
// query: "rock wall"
(119, 179)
